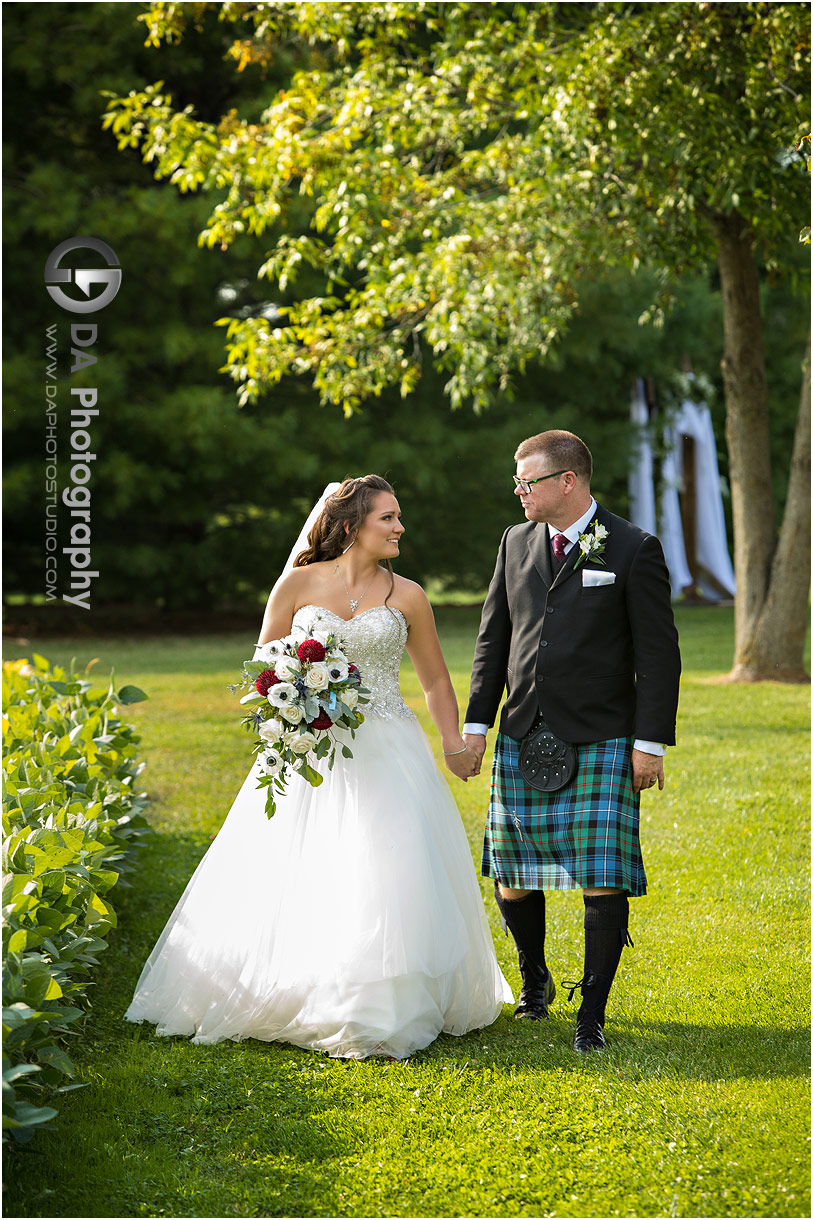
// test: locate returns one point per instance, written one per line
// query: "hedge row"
(70, 814)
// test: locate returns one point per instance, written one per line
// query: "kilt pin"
(598, 658)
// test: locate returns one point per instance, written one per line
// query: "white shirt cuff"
(476, 728)
(646, 747)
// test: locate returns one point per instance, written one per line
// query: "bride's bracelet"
(451, 753)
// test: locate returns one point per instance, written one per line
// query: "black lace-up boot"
(525, 919)
(606, 917)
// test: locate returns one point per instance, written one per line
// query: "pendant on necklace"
(353, 606)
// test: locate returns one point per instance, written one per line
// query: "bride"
(352, 921)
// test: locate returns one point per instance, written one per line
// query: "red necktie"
(559, 544)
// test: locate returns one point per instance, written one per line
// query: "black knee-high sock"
(606, 932)
(525, 919)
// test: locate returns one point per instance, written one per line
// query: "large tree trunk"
(769, 627)
(777, 648)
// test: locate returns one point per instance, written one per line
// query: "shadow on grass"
(637, 1049)
(173, 1129)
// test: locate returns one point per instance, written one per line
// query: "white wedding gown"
(352, 921)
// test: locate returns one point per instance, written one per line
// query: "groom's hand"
(477, 743)
(647, 771)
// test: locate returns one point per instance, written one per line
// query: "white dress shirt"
(572, 534)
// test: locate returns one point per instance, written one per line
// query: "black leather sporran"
(545, 761)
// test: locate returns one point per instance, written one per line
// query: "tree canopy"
(465, 165)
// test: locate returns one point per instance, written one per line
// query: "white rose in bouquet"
(337, 671)
(287, 668)
(283, 694)
(293, 714)
(350, 697)
(303, 742)
(271, 730)
(317, 676)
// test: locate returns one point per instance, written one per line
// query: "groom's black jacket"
(600, 661)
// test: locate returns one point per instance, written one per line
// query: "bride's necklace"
(355, 603)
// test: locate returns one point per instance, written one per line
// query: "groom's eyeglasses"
(525, 485)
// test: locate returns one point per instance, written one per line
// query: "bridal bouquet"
(301, 688)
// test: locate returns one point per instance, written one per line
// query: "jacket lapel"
(539, 549)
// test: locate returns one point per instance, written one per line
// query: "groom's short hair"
(562, 449)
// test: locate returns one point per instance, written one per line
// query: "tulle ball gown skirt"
(351, 923)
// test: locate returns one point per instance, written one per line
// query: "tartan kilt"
(583, 836)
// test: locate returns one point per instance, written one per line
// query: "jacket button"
(551, 609)
(543, 643)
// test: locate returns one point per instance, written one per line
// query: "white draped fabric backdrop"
(664, 519)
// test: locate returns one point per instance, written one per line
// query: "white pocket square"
(590, 579)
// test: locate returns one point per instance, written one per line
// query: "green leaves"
(131, 694)
(313, 777)
(69, 813)
(38, 984)
(463, 173)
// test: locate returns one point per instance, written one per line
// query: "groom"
(577, 628)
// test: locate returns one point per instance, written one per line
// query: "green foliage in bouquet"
(70, 813)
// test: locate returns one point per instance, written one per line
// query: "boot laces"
(585, 981)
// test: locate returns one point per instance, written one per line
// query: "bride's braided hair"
(349, 505)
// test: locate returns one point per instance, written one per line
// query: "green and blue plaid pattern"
(582, 836)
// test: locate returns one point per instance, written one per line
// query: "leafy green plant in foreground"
(69, 814)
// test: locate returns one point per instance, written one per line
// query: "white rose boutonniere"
(591, 544)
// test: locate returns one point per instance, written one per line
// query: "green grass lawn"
(699, 1107)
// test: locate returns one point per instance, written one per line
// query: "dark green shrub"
(70, 814)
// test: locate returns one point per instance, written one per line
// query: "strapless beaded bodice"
(374, 640)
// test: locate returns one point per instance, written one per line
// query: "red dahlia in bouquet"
(301, 687)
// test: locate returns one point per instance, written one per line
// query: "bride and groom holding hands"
(352, 922)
